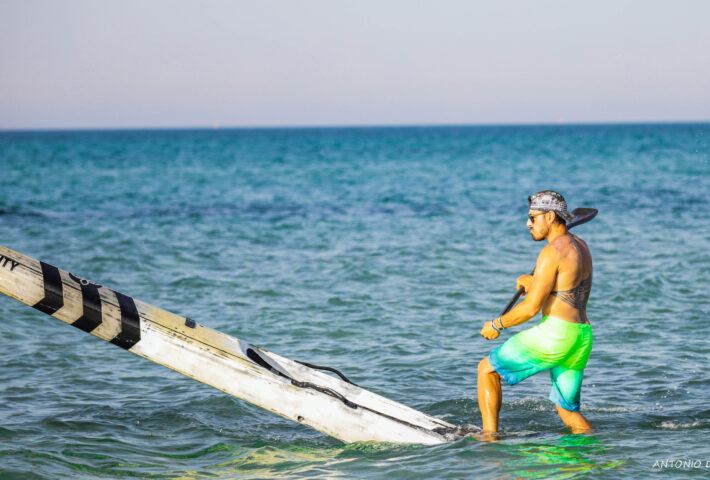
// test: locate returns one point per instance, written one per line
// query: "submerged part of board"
(290, 389)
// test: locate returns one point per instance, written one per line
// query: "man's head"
(547, 209)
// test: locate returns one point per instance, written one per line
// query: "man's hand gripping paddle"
(581, 215)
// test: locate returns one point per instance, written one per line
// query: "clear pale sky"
(180, 63)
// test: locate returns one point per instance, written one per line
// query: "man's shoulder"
(551, 249)
(549, 253)
(582, 242)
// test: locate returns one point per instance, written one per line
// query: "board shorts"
(556, 345)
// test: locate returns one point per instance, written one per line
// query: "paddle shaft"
(581, 215)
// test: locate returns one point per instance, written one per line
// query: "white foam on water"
(671, 425)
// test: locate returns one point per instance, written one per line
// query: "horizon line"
(218, 127)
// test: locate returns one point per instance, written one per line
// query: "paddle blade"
(582, 215)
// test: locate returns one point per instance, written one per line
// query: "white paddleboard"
(290, 389)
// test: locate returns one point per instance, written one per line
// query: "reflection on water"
(286, 461)
(570, 456)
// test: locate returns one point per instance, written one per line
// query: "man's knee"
(485, 367)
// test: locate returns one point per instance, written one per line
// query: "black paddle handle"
(514, 299)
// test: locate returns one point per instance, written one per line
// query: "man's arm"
(542, 283)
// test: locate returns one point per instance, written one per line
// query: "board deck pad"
(293, 390)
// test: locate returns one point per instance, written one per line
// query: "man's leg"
(490, 395)
(566, 386)
(574, 420)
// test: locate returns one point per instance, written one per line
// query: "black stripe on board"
(53, 290)
(130, 322)
(91, 301)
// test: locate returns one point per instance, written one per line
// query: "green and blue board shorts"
(556, 345)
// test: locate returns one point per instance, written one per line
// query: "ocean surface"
(378, 251)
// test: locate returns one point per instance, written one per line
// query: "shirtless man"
(562, 341)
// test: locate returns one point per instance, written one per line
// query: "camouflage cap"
(550, 201)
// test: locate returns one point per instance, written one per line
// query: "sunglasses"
(532, 217)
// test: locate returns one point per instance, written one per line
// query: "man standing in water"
(562, 341)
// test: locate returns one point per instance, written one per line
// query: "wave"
(678, 425)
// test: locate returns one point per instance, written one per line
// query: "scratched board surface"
(378, 251)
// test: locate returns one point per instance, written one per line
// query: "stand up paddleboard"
(295, 391)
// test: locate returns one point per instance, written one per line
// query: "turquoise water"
(379, 251)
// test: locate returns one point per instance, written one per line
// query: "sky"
(183, 63)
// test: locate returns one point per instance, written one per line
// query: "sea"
(379, 251)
